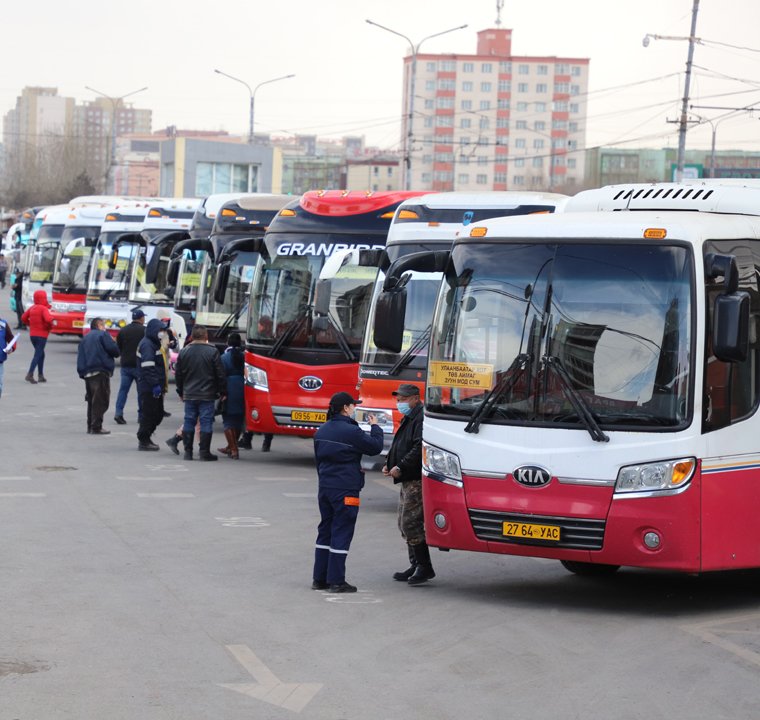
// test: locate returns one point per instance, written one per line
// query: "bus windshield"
(527, 325)
(186, 294)
(214, 314)
(106, 283)
(155, 292)
(73, 267)
(43, 261)
(422, 291)
(283, 294)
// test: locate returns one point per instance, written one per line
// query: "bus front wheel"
(589, 569)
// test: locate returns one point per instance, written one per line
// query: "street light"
(408, 139)
(683, 122)
(114, 105)
(252, 93)
(714, 123)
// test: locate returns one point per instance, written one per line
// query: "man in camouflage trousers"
(404, 465)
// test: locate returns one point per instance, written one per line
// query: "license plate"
(529, 531)
(308, 416)
(78, 323)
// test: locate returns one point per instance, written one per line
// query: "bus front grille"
(575, 533)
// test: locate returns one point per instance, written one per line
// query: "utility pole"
(684, 121)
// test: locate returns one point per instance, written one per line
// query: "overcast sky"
(348, 73)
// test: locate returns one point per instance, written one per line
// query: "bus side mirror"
(723, 266)
(730, 336)
(390, 311)
(426, 262)
(151, 269)
(172, 274)
(322, 293)
(220, 282)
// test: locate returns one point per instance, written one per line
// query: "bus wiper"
(552, 362)
(342, 340)
(232, 317)
(290, 333)
(505, 384)
(414, 348)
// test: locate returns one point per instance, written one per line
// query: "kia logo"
(310, 383)
(532, 475)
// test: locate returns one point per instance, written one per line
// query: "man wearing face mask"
(338, 446)
(151, 382)
(404, 465)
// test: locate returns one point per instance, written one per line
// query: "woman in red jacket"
(40, 321)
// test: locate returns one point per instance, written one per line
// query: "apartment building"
(494, 120)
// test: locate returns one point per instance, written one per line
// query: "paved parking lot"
(134, 585)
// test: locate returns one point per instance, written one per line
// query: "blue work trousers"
(339, 510)
(196, 410)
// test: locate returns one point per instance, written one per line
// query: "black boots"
(187, 441)
(266, 446)
(406, 574)
(424, 570)
(244, 443)
(173, 443)
(204, 451)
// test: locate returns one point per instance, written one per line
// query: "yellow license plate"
(529, 531)
(308, 416)
(78, 323)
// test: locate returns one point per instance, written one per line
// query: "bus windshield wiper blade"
(290, 333)
(552, 362)
(414, 348)
(342, 340)
(234, 315)
(505, 384)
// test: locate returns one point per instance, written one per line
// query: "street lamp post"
(252, 94)
(409, 137)
(714, 123)
(114, 106)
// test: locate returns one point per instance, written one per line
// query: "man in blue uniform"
(338, 446)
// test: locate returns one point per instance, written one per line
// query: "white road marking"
(268, 687)
(170, 468)
(165, 495)
(243, 521)
(22, 495)
(707, 631)
(360, 597)
(142, 477)
(15, 477)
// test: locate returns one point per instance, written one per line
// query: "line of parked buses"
(590, 365)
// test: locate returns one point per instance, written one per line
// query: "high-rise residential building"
(494, 120)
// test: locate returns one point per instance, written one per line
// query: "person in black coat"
(151, 383)
(95, 365)
(404, 465)
(128, 340)
(338, 446)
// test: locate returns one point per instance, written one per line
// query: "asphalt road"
(137, 586)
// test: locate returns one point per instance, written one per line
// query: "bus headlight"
(655, 477)
(60, 307)
(256, 377)
(441, 465)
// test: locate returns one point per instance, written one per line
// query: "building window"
(448, 66)
(428, 122)
(465, 123)
(562, 87)
(445, 120)
(518, 180)
(375, 170)
(464, 160)
(213, 178)
(519, 162)
(538, 144)
(505, 66)
(571, 163)
(426, 178)
(482, 160)
(505, 86)
(521, 124)
(485, 87)
(464, 140)
(523, 69)
(444, 103)
(467, 86)
(502, 122)
(390, 172)
(428, 104)
(500, 177)
(481, 179)
(468, 67)
(522, 87)
(446, 84)
(540, 107)
(430, 66)
(573, 127)
(427, 159)
(430, 85)
(538, 162)
(486, 68)
(539, 125)
(574, 107)
(463, 179)
(485, 104)
(520, 143)
(542, 70)
(559, 124)
(559, 106)
(466, 105)
(484, 123)
(575, 89)
(522, 107)
(561, 69)
(575, 70)
(542, 88)
(503, 103)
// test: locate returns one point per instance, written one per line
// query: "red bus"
(309, 306)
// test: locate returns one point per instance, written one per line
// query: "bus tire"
(589, 569)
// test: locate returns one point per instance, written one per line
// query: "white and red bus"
(421, 226)
(308, 311)
(594, 380)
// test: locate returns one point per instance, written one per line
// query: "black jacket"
(199, 373)
(96, 353)
(151, 370)
(338, 446)
(128, 340)
(406, 448)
